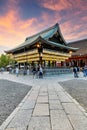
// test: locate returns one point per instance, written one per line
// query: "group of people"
(37, 71)
(18, 71)
(76, 71)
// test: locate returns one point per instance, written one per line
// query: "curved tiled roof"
(44, 35)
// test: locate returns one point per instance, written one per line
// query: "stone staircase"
(57, 71)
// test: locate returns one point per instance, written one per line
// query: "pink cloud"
(84, 19)
(47, 20)
(72, 32)
(75, 26)
(74, 37)
(58, 5)
(12, 4)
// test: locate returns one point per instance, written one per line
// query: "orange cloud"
(13, 30)
(7, 20)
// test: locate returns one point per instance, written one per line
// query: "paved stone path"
(47, 106)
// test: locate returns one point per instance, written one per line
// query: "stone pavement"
(47, 106)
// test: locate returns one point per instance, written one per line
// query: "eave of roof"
(47, 42)
(63, 46)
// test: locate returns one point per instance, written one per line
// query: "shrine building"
(47, 48)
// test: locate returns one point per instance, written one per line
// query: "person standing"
(78, 70)
(34, 71)
(28, 71)
(75, 72)
(37, 72)
(41, 72)
(17, 71)
(85, 71)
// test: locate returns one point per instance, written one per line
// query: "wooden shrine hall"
(47, 48)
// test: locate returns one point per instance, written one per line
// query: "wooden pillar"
(48, 63)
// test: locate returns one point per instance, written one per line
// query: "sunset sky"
(22, 18)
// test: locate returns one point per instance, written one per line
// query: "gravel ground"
(11, 94)
(77, 89)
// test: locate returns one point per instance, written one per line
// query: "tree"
(5, 60)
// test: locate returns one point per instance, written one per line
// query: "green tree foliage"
(5, 60)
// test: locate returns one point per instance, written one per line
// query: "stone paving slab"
(21, 119)
(55, 104)
(39, 123)
(79, 122)
(63, 97)
(41, 110)
(51, 92)
(59, 120)
(32, 97)
(42, 99)
(72, 108)
(43, 89)
(29, 104)
(53, 97)
(43, 94)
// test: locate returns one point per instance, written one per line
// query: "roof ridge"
(54, 26)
